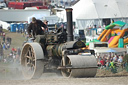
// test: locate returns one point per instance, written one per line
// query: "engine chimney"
(69, 24)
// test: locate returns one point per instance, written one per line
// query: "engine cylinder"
(56, 50)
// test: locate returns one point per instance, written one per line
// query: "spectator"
(4, 46)
(1, 29)
(115, 58)
(9, 28)
(102, 63)
(9, 40)
(18, 51)
(14, 58)
(46, 25)
(5, 60)
(13, 49)
(4, 34)
(8, 45)
(120, 60)
(107, 64)
(113, 67)
(3, 38)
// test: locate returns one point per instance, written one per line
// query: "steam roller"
(58, 53)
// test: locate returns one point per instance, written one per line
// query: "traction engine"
(58, 52)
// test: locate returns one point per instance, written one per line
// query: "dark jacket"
(35, 28)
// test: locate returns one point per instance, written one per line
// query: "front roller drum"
(79, 66)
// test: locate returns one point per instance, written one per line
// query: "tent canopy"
(37, 16)
(51, 19)
(108, 50)
(4, 25)
(90, 12)
(95, 9)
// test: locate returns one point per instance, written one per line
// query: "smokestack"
(69, 24)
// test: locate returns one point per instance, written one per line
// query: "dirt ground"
(11, 75)
(69, 81)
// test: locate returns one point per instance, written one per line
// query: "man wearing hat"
(35, 28)
(46, 27)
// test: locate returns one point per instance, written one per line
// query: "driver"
(36, 27)
(36, 30)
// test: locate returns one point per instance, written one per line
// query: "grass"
(17, 41)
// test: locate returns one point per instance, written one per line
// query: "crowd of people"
(110, 61)
(14, 55)
(5, 43)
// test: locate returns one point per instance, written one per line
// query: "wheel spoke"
(33, 60)
(29, 53)
(33, 66)
(29, 57)
(33, 55)
(28, 63)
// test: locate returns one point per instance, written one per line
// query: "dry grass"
(17, 41)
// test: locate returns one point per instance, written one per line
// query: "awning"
(108, 50)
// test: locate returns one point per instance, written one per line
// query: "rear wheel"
(32, 60)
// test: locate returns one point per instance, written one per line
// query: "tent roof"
(84, 8)
(107, 8)
(95, 9)
(105, 50)
(51, 19)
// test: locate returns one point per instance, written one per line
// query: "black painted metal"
(69, 24)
